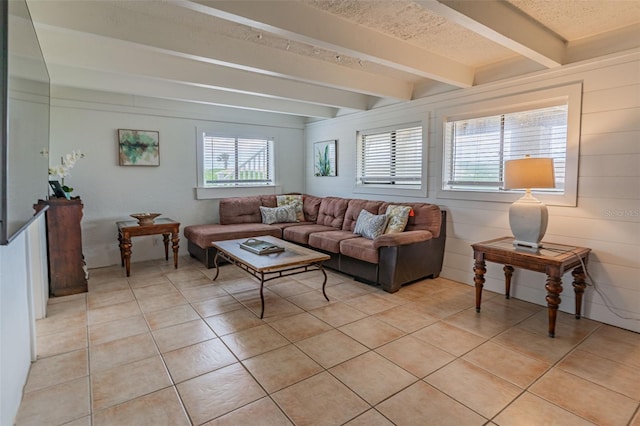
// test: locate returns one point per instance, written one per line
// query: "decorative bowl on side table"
(145, 218)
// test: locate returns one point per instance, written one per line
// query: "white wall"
(88, 121)
(22, 275)
(607, 216)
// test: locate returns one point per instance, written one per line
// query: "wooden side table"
(130, 228)
(552, 259)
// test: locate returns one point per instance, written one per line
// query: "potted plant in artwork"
(67, 162)
(323, 162)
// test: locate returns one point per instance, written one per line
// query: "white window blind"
(232, 161)
(476, 148)
(391, 157)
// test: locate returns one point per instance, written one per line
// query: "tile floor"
(171, 347)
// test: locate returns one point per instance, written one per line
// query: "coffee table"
(266, 267)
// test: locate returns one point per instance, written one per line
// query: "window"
(391, 157)
(236, 161)
(479, 136)
(477, 148)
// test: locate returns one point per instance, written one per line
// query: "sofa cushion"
(204, 235)
(292, 200)
(353, 210)
(268, 201)
(310, 207)
(332, 211)
(240, 210)
(288, 224)
(300, 234)
(278, 214)
(329, 240)
(398, 218)
(359, 248)
(370, 225)
(427, 217)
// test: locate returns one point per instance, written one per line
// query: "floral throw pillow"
(370, 225)
(278, 214)
(398, 218)
(292, 200)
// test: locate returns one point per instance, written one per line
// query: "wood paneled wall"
(607, 215)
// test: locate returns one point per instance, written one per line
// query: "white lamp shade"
(529, 173)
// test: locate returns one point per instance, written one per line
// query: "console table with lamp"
(528, 219)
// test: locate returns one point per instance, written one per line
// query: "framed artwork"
(324, 158)
(138, 147)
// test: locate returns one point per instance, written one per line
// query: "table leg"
(578, 287)
(175, 239)
(479, 269)
(121, 249)
(215, 264)
(125, 248)
(554, 288)
(262, 295)
(165, 240)
(324, 282)
(508, 272)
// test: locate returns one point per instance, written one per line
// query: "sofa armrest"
(402, 238)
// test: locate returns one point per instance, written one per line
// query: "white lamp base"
(525, 245)
(528, 218)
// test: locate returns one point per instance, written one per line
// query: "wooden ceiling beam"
(183, 40)
(298, 21)
(144, 86)
(66, 48)
(503, 24)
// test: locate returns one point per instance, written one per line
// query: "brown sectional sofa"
(389, 260)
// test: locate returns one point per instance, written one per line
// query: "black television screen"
(24, 124)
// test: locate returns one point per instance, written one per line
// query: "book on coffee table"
(260, 247)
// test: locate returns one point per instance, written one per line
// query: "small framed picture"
(324, 158)
(139, 147)
(57, 189)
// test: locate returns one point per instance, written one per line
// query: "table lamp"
(528, 217)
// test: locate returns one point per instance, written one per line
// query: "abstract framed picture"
(324, 158)
(138, 147)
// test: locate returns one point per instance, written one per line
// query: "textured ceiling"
(410, 22)
(577, 19)
(318, 58)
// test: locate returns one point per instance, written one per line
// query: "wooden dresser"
(64, 246)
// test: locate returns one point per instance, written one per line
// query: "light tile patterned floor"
(171, 347)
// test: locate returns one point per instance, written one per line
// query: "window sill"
(564, 200)
(397, 190)
(212, 193)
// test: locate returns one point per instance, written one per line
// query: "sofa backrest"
(353, 210)
(425, 217)
(240, 210)
(311, 207)
(268, 201)
(332, 211)
(339, 213)
(247, 209)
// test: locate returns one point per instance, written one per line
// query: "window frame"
(419, 190)
(204, 191)
(531, 100)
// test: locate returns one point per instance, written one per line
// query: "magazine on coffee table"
(261, 247)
